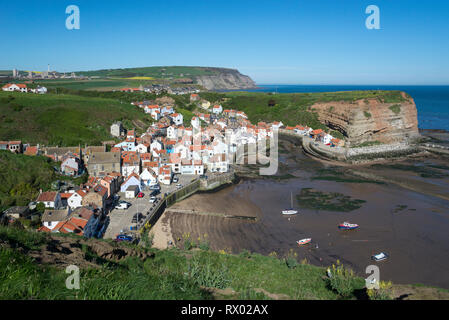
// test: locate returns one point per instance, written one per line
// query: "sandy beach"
(161, 233)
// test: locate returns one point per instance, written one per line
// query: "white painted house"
(148, 177)
(51, 199)
(142, 148)
(132, 180)
(75, 200)
(327, 138)
(217, 109)
(177, 119)
(172, 132)
(195, 122)
(15, 87)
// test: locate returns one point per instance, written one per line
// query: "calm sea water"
(432, 102)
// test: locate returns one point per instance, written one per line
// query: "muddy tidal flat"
(409, 221)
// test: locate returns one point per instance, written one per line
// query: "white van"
(122, 206)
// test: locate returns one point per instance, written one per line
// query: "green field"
(97, 84)
(154, 72)
(64, 120)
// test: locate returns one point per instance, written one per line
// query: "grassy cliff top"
(293, 108)
(161, 72)
(64, 119)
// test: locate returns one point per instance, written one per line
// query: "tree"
(40, 207)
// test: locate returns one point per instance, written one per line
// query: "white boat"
(291, 210)
(303, 241)
(348, 226)
(379, 257)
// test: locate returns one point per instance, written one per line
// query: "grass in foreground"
(167, 274)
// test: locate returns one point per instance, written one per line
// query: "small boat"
(303, 241)
(379, 257)
(348, 226)
(291, 210)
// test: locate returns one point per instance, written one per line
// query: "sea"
(432, 102)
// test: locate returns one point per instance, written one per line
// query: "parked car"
(122, 206)
(175, 179)
(123, 237)
(137, 217)
(153, 199)
(155, 187)
(154, 193)
(140, 195)
(179, 185)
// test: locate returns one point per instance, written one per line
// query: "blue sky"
(290, 42)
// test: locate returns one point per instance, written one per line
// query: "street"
(121, 220)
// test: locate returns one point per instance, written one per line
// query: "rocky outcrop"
(371, 120)
(225, 79)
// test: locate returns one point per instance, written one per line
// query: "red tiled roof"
(31, 151)
(44, 229)
(47, 196)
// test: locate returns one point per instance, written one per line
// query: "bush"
(383, 293)
(342, 281)
(245, 254)
(204, 245)
(188, 242)
(291, 262)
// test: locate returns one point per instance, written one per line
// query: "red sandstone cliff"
(371, 119)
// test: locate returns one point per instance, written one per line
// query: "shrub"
(290, 260)
(188, 242)
(383, 293)
(245, 254)
(342, 280)
(204, 245)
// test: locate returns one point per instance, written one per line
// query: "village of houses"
(162, 160)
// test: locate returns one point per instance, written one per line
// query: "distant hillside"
(64, 120)
(209, 77)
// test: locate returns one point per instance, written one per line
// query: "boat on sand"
(348, 226)
(303, 241)
(291, 210)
